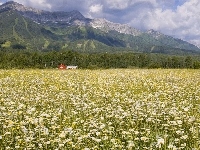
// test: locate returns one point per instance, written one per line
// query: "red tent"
(62, 66)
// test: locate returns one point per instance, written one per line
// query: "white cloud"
(195, 42)
(182, 23)
(40, 4)
(118, 4)
(124, 4)
(96, 8)
(1, 2)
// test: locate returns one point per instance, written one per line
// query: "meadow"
(153, 109)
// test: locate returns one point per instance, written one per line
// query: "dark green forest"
(21, 59)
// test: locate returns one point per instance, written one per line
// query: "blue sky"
(177, 18)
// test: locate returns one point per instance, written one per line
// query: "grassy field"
(100, 109)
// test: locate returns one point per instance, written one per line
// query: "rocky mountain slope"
(58, 30)
(45, 17)
(106, 26)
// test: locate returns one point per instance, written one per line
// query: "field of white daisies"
(100, 109)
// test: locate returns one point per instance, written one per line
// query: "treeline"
(24, 59)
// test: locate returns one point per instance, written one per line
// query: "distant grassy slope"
(81, 38)
(18, 29)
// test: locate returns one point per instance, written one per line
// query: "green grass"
(16, 36)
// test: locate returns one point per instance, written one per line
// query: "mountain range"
(29, 28)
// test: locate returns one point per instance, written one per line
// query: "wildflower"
(48, 142)
(40, 145)
(145, 139)
(170, 146)
(95, 139)
(98, 133)
(7, 133)
(40, 120)
(24, 129)
(136, 132)
(173, 122)
(105, 138)
(98, 140)
(179, 132)
(176, 140)
(113, 140)
(183, 145)
(191, 119)
(186, 109)
(179, 122)
(17, 146)
(46, 131)
(74, 124)
(136, 139)
(69, 130)
(61, 145)
(184, 137)
(160, 142)
(102, 126)
(130, 144)
(62, 134)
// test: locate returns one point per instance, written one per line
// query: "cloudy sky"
(178, 18)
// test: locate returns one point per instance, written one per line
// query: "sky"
(177, 18)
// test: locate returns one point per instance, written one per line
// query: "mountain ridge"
(74, 26)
